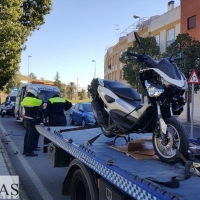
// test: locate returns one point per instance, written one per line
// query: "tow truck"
(98, 172)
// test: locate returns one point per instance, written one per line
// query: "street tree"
(63, 90)
(82, 94)
(57, 80)
(92, 88)
(34, 12)
(14, 33)
(71, 87)
(131, 67)
(191, 61)
(14, 82)
(32, 75)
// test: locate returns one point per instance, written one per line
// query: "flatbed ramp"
(125, 173)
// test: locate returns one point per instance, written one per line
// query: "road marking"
(38, 184)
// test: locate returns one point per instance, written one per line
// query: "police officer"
(55, 110)
(32, 106)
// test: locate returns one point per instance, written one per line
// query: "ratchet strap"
(174, 182)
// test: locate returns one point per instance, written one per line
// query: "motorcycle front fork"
(162, 124)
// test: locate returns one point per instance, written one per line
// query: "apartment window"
(121, 75)
(170, 36)
(192, 22)
(157, 39)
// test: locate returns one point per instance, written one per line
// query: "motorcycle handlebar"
(178, 58)
(133, 54)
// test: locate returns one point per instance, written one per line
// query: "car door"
(74, 112)
(79, 113)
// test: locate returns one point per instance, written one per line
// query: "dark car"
(82, 114)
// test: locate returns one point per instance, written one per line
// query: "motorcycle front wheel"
(176, 139)
(2, 114)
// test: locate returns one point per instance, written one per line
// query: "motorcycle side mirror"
(137, 38)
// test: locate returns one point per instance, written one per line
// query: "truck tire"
(82, 183)
(79, 189)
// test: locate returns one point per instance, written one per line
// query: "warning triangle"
(194, 79)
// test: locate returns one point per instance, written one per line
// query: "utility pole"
(77, 84)
(28, 69)
(94, 68)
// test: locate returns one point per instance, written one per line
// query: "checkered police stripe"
(105, 171)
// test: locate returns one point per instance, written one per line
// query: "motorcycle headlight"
(153, 91)
(164, 82)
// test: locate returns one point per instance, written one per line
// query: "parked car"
(82, 113)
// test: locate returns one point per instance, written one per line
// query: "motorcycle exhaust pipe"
(98, 114)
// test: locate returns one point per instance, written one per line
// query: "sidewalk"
(6, 168)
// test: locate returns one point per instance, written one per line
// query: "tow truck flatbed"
(125, 173)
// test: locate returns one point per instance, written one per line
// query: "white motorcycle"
(7, 108)
(119, 110)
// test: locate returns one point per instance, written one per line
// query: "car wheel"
(83, 122)
(71, 121)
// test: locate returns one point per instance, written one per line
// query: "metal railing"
(141, 23)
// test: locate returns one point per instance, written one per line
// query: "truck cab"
(46, 92)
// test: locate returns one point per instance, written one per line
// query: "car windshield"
(87, 107)
(46, 95)
(13, 98)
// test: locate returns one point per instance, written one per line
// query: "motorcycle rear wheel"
(177, 139)
(2, 114)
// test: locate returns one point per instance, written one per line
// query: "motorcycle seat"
(121, 90)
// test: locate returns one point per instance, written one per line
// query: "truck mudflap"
(125, 173)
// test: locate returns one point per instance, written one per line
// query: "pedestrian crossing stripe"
(194, 79)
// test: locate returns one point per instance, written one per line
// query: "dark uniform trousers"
(57, 120)
(31, 136)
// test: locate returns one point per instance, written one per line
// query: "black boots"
(31, 154)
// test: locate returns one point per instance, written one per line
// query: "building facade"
(164, 27)
(190, 18)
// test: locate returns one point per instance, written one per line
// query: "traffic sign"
(194, 79)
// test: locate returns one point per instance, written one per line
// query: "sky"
(79, 31)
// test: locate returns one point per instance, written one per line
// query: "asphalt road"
(38, 178)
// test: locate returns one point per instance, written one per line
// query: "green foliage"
(191, 48)
(82, 94)
(34, 12)
(132, 67)
(74, 101)
(57, 81)
(71, 87)
(14, 82)
(92, 88)
(63, 90)
(13, 33)
(32, 75)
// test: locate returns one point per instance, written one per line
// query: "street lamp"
(94, 68)
(136, 16)
(28, 69)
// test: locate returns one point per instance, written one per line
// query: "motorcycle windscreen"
(169, 69)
